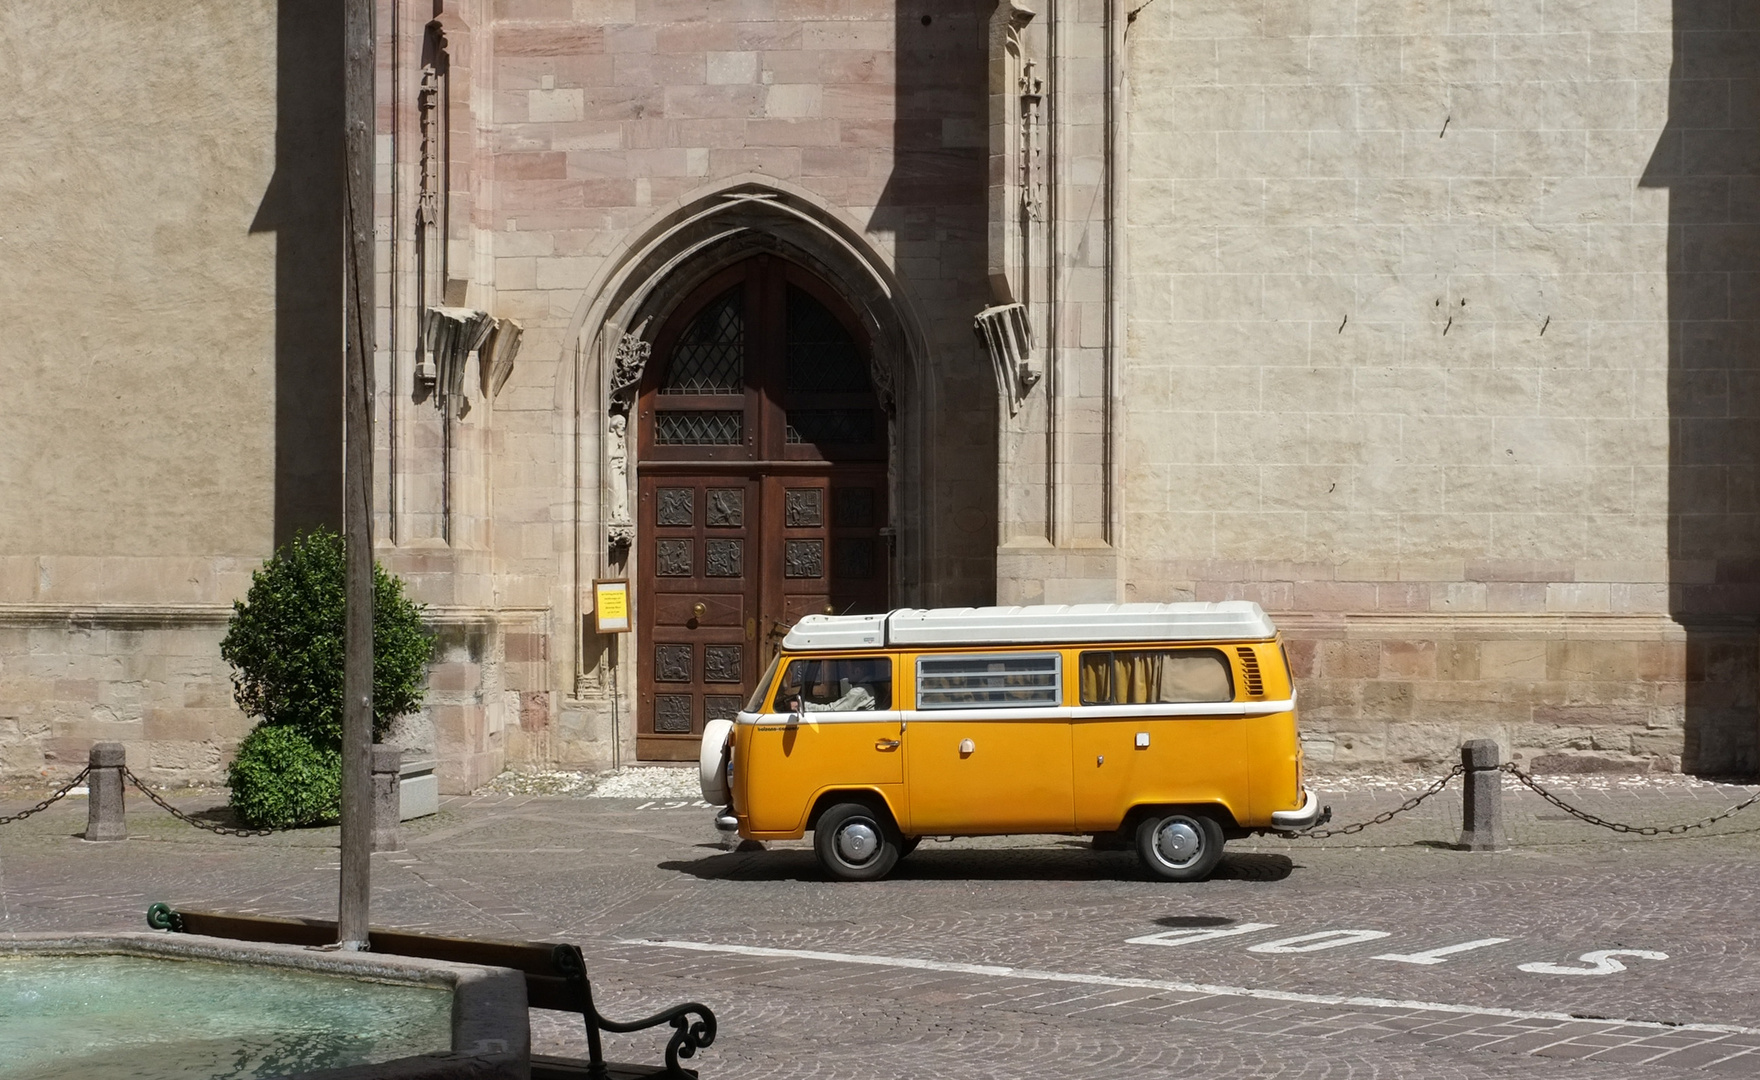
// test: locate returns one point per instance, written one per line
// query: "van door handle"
(886, 744)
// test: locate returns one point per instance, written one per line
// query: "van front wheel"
(1180, 846)
(854, 843)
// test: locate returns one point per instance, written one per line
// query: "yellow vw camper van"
(1170, 726)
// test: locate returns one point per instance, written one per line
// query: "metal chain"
(183, 817)
(50, 801)
(1383, 818)
(1620, 827)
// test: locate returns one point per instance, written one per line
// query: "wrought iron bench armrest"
(688, 1036)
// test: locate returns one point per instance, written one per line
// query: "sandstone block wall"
(1563, 695)
(1438, 309)
(140, 471)
(153, 681)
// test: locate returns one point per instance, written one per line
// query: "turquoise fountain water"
(134, 1018)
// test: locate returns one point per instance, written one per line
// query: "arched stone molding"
(664, 261)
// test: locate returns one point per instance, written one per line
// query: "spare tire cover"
(712, 761)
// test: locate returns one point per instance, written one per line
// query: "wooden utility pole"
(357, 466)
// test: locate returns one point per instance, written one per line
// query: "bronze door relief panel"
(698, 599)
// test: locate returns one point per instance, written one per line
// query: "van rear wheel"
(1180, 846)
(856, 843)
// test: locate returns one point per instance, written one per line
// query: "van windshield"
(756, 704)
(839, 684)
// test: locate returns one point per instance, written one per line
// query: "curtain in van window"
(1155, 677)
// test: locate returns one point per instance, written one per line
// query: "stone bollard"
(1481, 797)
(104, 793)
(387, 762)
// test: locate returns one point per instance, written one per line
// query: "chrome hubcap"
(1178, 842)
(857, 842)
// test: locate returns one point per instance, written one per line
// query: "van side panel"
(1188, 760)
(1015, 779)
(1275, 753)
(1274, 748)
(795, 758)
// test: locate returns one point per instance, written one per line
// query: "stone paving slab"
(1018, 951)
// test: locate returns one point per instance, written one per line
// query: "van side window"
(1155, 677)
(998, 681)
(840, 684)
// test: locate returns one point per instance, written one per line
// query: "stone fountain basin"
(184, 1006)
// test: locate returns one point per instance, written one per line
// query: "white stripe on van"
(1083, 712)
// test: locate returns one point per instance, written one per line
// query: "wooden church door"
(762, 491)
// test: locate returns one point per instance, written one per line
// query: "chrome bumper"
(1305, 818)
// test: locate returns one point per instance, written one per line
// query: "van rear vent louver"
(1250, 671)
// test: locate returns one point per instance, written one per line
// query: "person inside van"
(856, 684)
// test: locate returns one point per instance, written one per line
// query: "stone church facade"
(1427, 324)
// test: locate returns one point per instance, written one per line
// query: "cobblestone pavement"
(1028, 956)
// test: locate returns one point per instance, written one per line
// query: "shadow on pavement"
(1013, 864)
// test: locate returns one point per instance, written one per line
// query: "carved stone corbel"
(628, 363)
(450, 335)
(496, 355)
(1008, 338)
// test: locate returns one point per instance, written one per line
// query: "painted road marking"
(1437, 956)
(675, 804)
(1601, 962)
(1186, 937)
(1325, 939)
(997, 971)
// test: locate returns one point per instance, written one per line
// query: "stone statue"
(627, 366)
(620, 529)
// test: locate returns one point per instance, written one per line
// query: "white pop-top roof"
(1043, 624)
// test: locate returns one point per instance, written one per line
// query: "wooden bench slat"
(545, 1067)
(258, 928)
(531, 958)
(551, 992)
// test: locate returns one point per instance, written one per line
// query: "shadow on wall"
(303, 208)
(1709, 160)
(934, 204)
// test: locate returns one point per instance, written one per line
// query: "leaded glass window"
(699, 427)
(710, 357)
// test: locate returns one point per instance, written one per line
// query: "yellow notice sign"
(611, 606)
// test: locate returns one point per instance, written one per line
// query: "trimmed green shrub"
(280, 780)
(285, 645)
(285, 642)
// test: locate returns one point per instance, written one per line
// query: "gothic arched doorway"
(761, 467)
